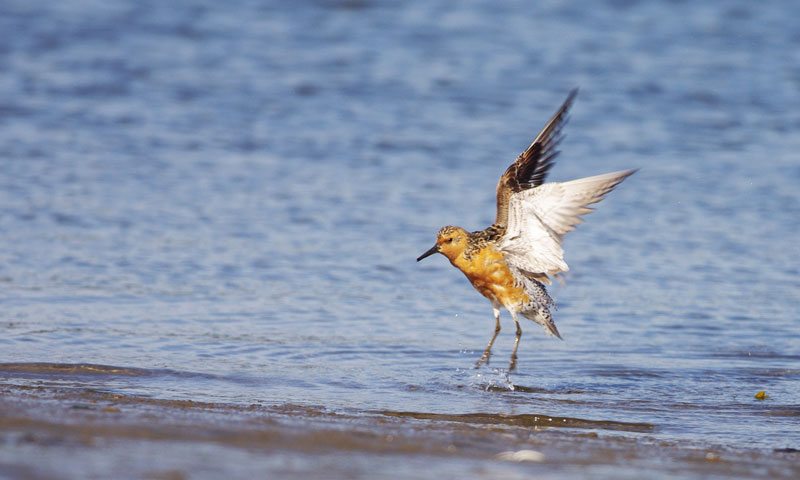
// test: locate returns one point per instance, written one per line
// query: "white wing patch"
(539, 218)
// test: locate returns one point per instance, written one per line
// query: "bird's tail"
(538, 309)
(541, 315)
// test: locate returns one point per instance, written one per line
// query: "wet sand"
(70, 431)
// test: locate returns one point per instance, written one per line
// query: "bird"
(511, 261)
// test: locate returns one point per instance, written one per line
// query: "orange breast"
(489, 274)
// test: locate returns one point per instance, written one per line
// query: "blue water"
(231, 195)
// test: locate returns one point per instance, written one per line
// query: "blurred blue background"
(232, 195)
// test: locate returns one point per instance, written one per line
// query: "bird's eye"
(450, 240)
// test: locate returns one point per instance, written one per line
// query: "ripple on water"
(185, 214)
(525, 420)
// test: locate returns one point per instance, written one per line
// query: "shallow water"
(224, 202)
(93, 434)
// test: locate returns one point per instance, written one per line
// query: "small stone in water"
(761, 395)
(712, 457)
(521, 456)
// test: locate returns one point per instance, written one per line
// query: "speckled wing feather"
(539, 218)
(531, 167)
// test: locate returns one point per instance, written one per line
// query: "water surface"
(223, 203)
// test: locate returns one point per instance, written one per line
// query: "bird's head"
(450, 242)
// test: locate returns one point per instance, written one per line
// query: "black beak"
(434, 249)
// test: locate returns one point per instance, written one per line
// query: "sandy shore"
(71, 432)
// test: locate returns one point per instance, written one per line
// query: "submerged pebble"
(521, 456)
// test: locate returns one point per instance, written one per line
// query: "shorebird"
(510, 262)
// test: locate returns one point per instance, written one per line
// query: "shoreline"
(58, 432)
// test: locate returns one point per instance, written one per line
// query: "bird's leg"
(513, 365)
(488, 352)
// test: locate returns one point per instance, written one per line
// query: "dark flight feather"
(531, 167)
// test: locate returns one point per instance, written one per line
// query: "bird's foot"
(513, 364)
(484, 359)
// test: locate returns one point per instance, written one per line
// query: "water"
(227, 200)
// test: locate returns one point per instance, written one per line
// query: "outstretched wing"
(539, 218)
(532, 165)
